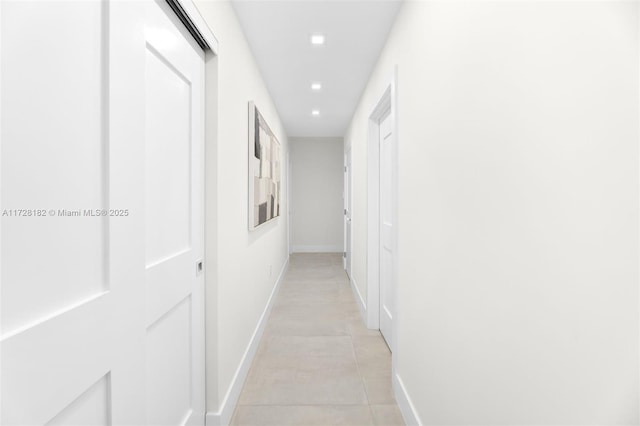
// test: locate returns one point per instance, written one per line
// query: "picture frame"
(264, 171)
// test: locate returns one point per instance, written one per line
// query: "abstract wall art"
(264, 170)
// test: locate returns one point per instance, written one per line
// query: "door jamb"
(289, 206)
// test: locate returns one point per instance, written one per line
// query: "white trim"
(289, 184)
(344, 206)
(198, 21)
(223, 416)
(318, 249)
(1, 91)
(396, 222)
(405, 404)
(347, 202)
(211, 419)
(361, 303)
(373, 237)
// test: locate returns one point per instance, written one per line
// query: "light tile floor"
(317, 363)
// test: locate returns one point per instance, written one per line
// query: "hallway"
(317, 363)
(184, 185)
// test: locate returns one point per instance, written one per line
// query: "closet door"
(174, 231)
(84, 325)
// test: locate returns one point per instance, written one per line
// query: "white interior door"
(174, 207)
(71, 317)
(347, 212)
(90, 90)
(386, 227)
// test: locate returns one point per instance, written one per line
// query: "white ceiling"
(279, 35)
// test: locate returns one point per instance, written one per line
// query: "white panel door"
(72, 330)
(76, 342)
(386, 228)
(174, 206)
(347, 212)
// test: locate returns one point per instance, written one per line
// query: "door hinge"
(345, 211)
(344, 254)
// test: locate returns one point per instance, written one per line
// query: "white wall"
(518, 210)
(316, 197)
(242, 267)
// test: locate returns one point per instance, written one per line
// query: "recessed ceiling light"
(315, 112)
(317, 39)
(316, 86)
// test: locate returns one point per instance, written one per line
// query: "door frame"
(289, 213)
(347, 206)
(387, 101)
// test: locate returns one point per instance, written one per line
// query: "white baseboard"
(223, 416)
(318, 249)
(359, 300)
(212, 419)
(407, 409)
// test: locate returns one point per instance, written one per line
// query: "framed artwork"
(264, 171)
